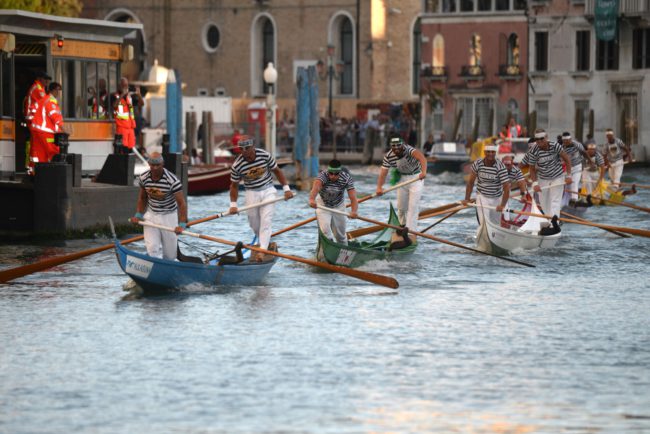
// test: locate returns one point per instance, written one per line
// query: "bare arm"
(469, 187)
(380, 180)
(567, 163)
(283, 180)
(318, 184)
(423, 163)
(234, 193)
(505, 197)
(354, 203)
(182, 207)
(140, 206)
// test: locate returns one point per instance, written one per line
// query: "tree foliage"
(65, 8)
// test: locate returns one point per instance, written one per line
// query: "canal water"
(468, 343)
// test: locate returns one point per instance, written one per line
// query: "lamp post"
(330, 74)
(270, 77)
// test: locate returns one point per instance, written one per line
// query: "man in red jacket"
(123, 113)
(47, 121)
(36, 92)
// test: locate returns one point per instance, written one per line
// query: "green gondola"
(355, 253)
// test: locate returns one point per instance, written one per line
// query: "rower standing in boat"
(254, 167)
(545, 161)
(493, 187)
(616, 153)
(410, 163)
(514, 174)
(161, 194)
(328, 191)
(594, 168)
(576, 152)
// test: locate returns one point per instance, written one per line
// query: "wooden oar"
(358, 274)
(620, 234)
(454, 211)
(628, 184)
(628, 205)
(423, 215)
(363, 199)
(631, 231)
(431, 237)
(24, 270)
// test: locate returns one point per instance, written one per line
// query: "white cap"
(490, 148)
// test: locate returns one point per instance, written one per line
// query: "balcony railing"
(629, 8)
(472, 72)
(435, 72)
(510, 72)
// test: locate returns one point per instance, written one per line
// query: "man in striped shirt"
(328, 191)
(576, 153)
(410, 163)
(493, 185)
(161, 195)
(594, 168)
(254, 166)
(616, 153)
(514, 174)
(545, 161)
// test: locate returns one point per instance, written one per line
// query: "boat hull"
(493, 238)
(208, 179)
(356, 253)
(155, 275)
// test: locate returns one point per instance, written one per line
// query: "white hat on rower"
(489, 148)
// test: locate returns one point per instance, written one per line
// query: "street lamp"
(330, 74)
(270, 77)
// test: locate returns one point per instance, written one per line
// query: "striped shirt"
(161, 193)
(548, 163)
(575, 150)
(490, 178)
(256, 175)
(614, 150)
(515, 175)
(332, 191)
(593, 163)
(406, 164)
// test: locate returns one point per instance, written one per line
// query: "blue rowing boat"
(156, 275)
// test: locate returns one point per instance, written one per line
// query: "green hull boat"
(355, 253)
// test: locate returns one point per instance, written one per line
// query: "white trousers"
(260, 218)
(487, 201)
(332, 225)
(408, 202)
(576, 176)
(590, 180)
(159, 243)
(615, 171)
(551, 198)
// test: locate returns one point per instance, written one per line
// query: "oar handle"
(394, 187)
(244, 208)
(139, 155)
(431, 237)
(363, 275)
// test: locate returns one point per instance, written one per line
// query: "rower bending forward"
(329, 186)
(493, 185)
(161, 194)
(254, 167)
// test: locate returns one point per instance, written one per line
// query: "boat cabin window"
(87, 87)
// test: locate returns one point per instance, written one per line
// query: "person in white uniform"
(161, 201)
(545, 161)
(328, 190)
(493, 187)
(576, 152)
(410, 163)
(254, 167)
(616, 154)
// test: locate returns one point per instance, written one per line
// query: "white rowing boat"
(504, 238)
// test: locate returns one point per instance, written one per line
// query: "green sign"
(606, 19)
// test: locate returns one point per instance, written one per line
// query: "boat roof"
(36, 24)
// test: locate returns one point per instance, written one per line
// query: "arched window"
(438, 51)
(342, 37)
(262, 52)
(513, 49)
(347, 56)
